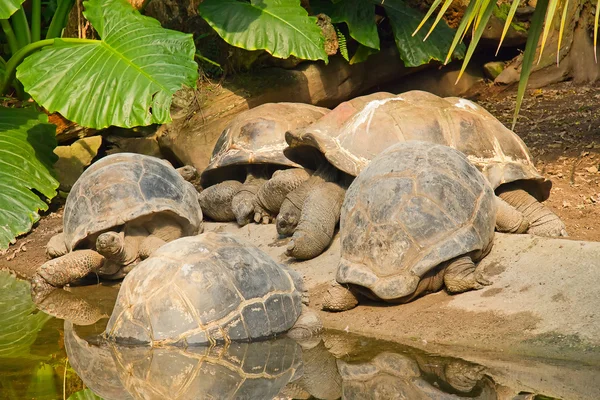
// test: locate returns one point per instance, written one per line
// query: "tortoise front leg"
(245, 201)
(291, 208)
(66, 269)
(462, 275)
(56, 246)
(215, 200)
(272, 194)
(320, 215)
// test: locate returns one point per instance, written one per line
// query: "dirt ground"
(560, 124)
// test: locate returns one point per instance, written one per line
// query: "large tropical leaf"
(27, 142)
(281, 27)
(413, 50)
(20, 325)
(126, 79)
(359, 15)
(8, 7)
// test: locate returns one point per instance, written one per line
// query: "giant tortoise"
(417, 218)
(357, 130)
(119, 211)
(250, 150)
(207, 289)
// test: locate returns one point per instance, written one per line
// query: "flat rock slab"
(544, 299)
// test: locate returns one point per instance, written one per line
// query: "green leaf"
(281, 27)
(20, 325)
(85, 394)
(535, 30)
(9, 7)
(27, 142)
(359, 16)
(484, 16)
(126, 79)
(361, 54)
(413, 50)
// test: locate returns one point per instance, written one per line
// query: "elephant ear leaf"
(281, 27)
(27, 142)
(9, 7)
(125, 79)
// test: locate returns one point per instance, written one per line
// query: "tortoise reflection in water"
(235, 371)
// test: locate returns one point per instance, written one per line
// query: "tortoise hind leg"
(542, 221)
(461, 275)
(339, 298)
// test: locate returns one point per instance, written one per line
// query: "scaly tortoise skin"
(358, 130)
(234, 371)
(416, 219)
(206, 289)
(120, 209)
(250, 150)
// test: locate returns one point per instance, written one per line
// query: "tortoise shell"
(416, 205)
(205, 289)
(356, 131)
(257, 136)
(238, 371)
(125, 186)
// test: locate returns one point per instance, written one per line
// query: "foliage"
(20, 325)
(129, 76)
(283, 28)
(477, 16)
(26, 159)
(126, 79)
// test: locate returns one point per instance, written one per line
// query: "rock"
(442, 82)
(142, 145)
(74, 158)
(543, 299)
(493, 69)
(593, 169)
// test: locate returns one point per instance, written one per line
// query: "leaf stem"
(60, 19)
(17, 58)
(10, 36)
(36, 20)
(21, 27)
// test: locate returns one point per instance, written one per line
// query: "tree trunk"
(576, 53)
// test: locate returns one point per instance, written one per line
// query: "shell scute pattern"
(256, 136)
(220, 289)
(358, 130)
(122, 187)
(415, 206)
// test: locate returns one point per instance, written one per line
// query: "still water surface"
(45, 357)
